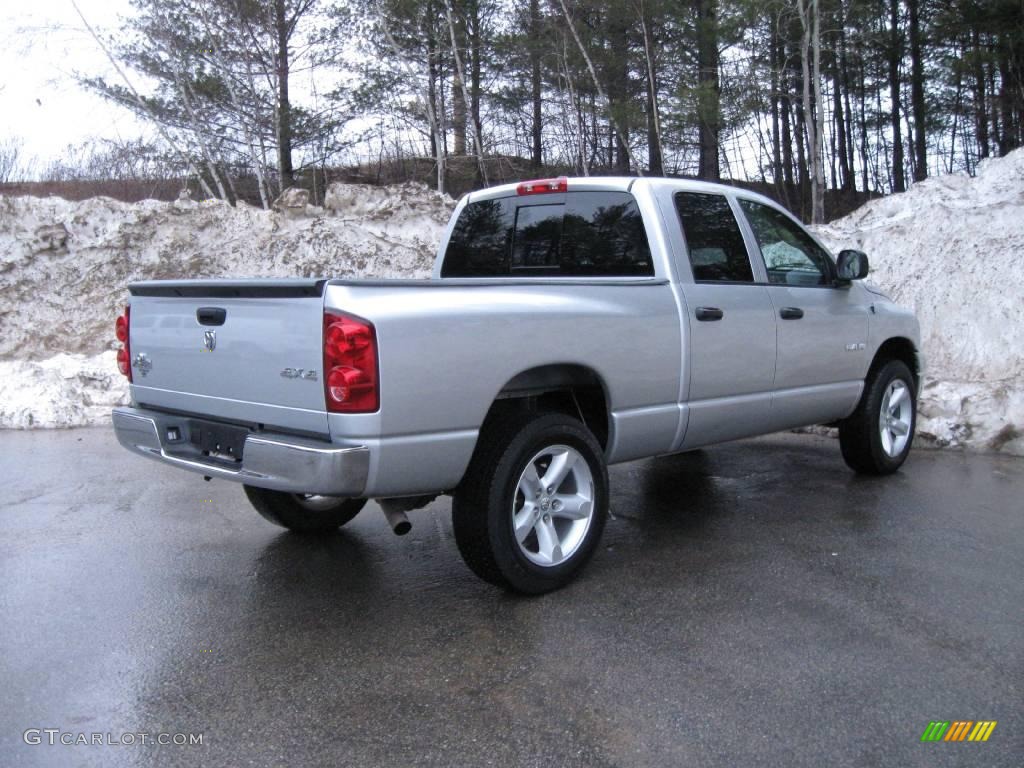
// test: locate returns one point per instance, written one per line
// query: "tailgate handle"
(211, 315)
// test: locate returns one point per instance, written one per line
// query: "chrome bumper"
(280, 462)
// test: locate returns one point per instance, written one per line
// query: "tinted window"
(597, 234)
(481, 242)
(713, 239)
(537, 241)
(790, 254)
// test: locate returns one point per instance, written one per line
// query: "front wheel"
(876, 438)
(303, 512)
(532, 507)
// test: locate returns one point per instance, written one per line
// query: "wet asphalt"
(752, 604)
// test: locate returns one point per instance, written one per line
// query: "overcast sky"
(40, 102)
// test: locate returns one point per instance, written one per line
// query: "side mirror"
(852, 265)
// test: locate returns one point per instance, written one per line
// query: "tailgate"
(246, 351)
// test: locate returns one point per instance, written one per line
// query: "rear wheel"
(876, 438)
(532, 507)
(304, 512)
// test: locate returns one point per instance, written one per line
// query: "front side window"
(713, 240)
(584, 234)
(790, 254)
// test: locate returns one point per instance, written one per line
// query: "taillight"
(543, 186)
(122, 329)
(350, 365)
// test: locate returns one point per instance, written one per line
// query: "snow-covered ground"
(947, 248)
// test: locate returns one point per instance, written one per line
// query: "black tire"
(860, 434)
(485, 502)
(303, 514)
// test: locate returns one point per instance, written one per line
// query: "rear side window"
(579, 234)
(713, 239)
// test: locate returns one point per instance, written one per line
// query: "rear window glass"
(579, 234)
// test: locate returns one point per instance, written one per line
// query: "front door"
(731, 346)
(822, 327)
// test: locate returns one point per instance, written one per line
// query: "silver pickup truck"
(568, 324)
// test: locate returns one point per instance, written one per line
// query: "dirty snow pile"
(951, 248)
(64, 268)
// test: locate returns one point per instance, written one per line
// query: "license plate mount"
(219, 441)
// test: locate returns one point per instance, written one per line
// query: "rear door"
(235, 351)
(731, 324)
(822, 327)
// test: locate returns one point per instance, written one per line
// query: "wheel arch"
(571, 388)
(898, 348)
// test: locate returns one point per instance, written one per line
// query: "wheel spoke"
(524, 521)
(896, 397)
(529, 483)
(887, 440)
(573, 506)
(561, 464)
(548, 545)
(899, 427)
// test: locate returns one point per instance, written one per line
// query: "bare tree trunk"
(845, 74)
(475, 37)
(708, 90)
(460, 96)
(600, 90)
(654, 160)
(226, 75)
(839, 85)
(818, 173)
(428, 103)
(980, 108)
(786, 113)
(200, 134)
(577, 108)
(285, 172)
(535, 85)
(477, 140)
(917, 93)
(814, 114)
(774, 95)
(899, 183)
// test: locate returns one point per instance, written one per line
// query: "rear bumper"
(278, 462)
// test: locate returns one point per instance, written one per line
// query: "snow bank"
(64, 267)
(61, 391)
(948, 248)
(951, 249)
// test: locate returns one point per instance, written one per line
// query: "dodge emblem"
(142, 363)
(210, 340)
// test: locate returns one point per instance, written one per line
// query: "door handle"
(709, 313)
(791, 313)
(211, 315)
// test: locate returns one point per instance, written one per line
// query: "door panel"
(731, 322)
(732, 362)
(821, 357)
(822, 329)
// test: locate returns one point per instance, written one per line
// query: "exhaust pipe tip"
(396, 517)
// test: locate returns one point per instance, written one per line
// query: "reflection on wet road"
(752, 604)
